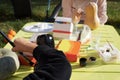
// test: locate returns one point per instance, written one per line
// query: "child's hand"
(77, 13)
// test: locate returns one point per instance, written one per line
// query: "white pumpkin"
(9, 63)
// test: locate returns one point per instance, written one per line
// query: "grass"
(8, 21)
(113, 14)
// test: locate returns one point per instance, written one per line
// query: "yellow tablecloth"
(97, 70)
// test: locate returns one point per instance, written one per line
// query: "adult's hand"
(23, 45)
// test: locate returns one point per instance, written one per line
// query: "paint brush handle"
(11, 43)
(109, 44)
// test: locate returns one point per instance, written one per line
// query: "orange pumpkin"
(12, 32)
(10, 36)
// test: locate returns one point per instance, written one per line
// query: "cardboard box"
(62, 25)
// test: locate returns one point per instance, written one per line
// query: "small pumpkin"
(9, 63)
(91, 18)
(10, 36)
(12, 32)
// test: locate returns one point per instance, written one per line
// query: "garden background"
(39, 7)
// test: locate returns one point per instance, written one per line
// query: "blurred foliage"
(39, 7)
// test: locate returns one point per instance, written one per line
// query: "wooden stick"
(109, 44)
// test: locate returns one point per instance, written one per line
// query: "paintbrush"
(109, 44)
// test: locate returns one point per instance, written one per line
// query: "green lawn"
(113, 14)
(8, 21)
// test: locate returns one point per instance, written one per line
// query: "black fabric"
(51, 65)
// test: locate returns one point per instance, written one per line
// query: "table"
(97, 70)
